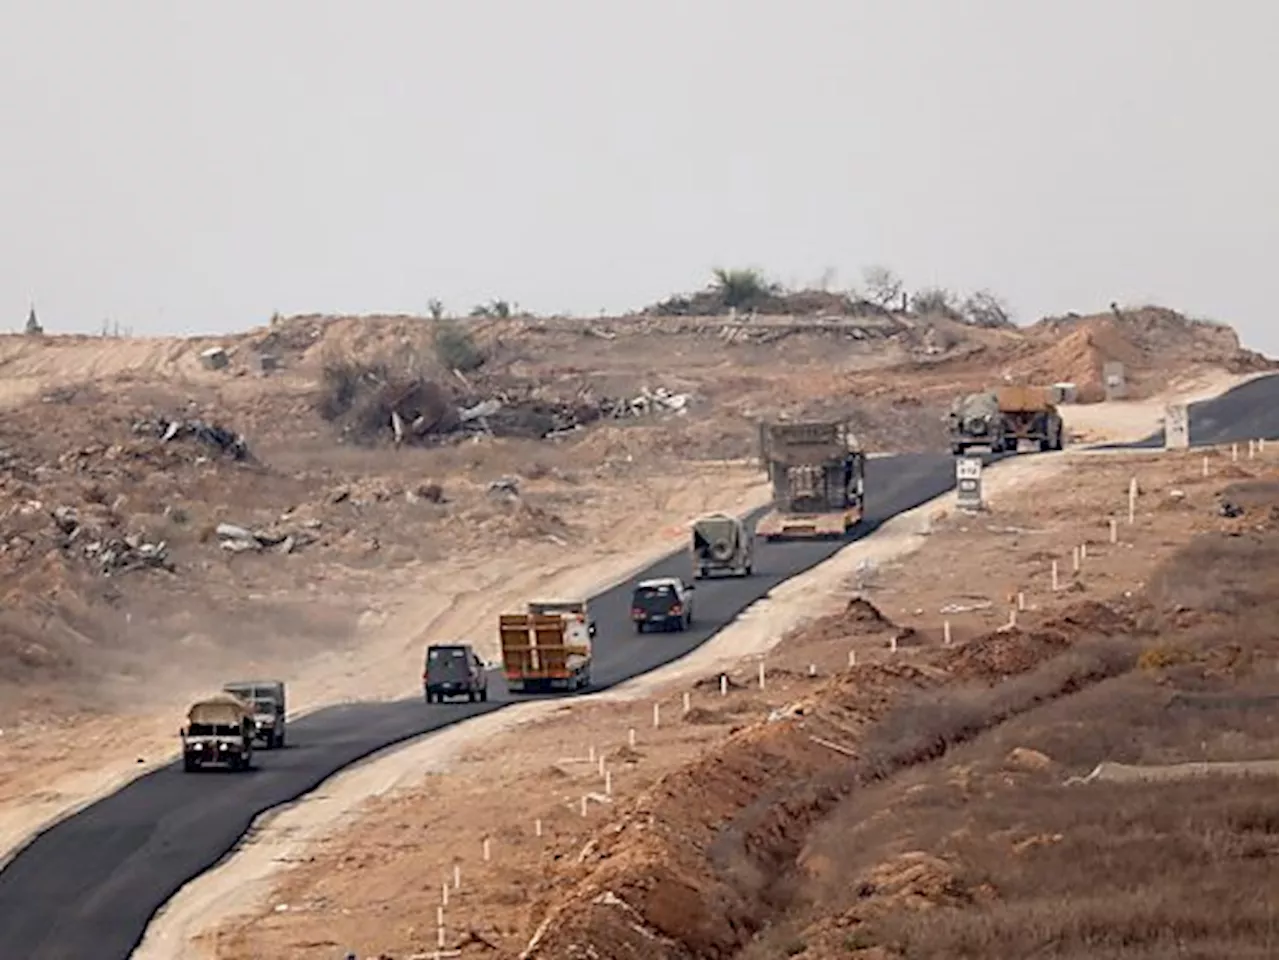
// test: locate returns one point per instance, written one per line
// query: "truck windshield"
(214, 730)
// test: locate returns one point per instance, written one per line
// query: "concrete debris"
(210, 434)
(239, 539)
(110, 555)
(214, 358)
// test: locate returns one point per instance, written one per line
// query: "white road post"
(484, 849)
(591, 753)
(1204, 466)
(688, 704)
(1022, 601)
(582, 805)
(1053, 575)
(813, 669)
(1084, 551)
(631, 737)
(657, 709)
(1235, 452)
(853, 658)
(1075, 559)
(1133, 499)
(946, 633)
(600, 766)
(457, 876)
(1115, 533)
(893, 643)
(724, 684)
(608, 783)
(760, 674)
(537, 827)
(444, 893)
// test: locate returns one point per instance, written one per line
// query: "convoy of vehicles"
(454, 670)
(721, 544)
(219, 732)
(663, 602)
(266, 699)
(1003, 418)
(817, 471)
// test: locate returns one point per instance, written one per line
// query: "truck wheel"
(189, 765)
(280, 740)
(484, 695)
(640, 627)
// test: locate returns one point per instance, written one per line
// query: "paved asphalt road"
(86, 888)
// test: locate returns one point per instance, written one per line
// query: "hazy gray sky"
(192, 167)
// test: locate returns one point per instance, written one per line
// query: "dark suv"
(454, 670)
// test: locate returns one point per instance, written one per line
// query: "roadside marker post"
(656, 712)
(1133, 499)
(1084, 551)
(1022, 601)
(1075, 559)
(893, 643)
(1115, 533)
(724, 684)
(761, 674)
(600, 766)
(608, 783)
(457, 876)
(813, 669)
(946, 633)
(1235, 452)
(444, 893)
(853, 658)
(582, 805)
(484, 849)
(1204, 466)
(1053, 575)
(688, 705)
(631, 737)
(537, 827)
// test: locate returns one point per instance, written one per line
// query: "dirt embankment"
(750, 851)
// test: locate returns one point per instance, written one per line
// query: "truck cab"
(219, 732)
(454, 670)
(663, 602)
(266, 699)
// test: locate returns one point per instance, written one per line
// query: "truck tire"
(639, 626)
(280, 740)
(189, 765)
(484, 695)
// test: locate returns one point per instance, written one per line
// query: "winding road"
(87, 887)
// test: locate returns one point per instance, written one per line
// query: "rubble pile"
(212, 435)
(369, 406)
(108, 554)
(239, 539)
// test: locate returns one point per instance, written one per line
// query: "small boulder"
(1026, 759)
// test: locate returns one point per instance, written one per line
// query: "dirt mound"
(1080, 358)
(994, 657)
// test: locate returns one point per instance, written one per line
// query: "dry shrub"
(361, 395)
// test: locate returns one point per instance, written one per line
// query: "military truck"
(817, 472)
(266, 697)
(548, 647)
(1001, 419)
(721, 544)
(219, 732)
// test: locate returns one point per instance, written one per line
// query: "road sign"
(969, 483)
(1177, 431)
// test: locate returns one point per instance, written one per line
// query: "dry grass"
(972, 853)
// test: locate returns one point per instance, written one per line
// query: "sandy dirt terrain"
(120, 460)
(367, 887)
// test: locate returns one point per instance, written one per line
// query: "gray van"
(454, 670)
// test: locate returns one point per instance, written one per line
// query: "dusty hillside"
(110, 538)
(922, 798)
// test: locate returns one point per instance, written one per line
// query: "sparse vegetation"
(456, 348)
(361, 396)
(884, 287)
(499, 309)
